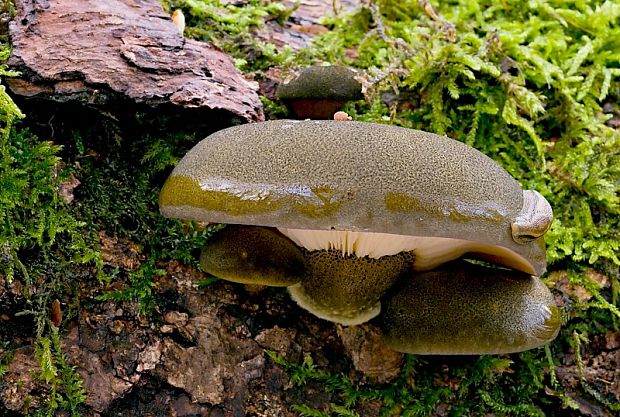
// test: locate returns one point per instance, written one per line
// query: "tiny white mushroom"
(178, 19)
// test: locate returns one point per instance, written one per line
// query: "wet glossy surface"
(467, 309)
(327, 175)
(253, 255)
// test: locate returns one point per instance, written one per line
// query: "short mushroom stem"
(316, 109)
(346, 289)
(466, 309)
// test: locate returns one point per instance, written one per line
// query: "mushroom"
(178, 20)
(318, 92)
(466, 309)
(366, 203)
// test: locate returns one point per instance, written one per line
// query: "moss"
(512, 86)
(65, 384)
(230, 27)
(41, 240)
(469, 386)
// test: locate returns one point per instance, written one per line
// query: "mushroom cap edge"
(291, 179)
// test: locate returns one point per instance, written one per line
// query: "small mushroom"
(466, 309)
(366, 203)
(342, 116)
(318, 92)
(178, 19)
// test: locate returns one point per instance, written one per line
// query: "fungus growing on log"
(365, 203)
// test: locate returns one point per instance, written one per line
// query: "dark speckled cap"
(464, 309)
(323, 175)
(318, 82)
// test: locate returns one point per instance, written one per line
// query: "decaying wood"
(101, 53)
(304, 24)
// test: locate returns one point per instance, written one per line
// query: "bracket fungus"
(260, 255)
(340, 212)
(318, 92)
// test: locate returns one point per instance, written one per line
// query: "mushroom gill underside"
(353, 277)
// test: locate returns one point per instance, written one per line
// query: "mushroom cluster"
(365, 221)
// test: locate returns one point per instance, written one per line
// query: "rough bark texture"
(101, 53)
(370, 355)
(202, 352)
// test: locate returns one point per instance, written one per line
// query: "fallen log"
(108, 54)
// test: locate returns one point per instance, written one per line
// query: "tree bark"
(102, 53)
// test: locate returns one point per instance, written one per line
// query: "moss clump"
(36, 221)
(40, 240)
(231, 27)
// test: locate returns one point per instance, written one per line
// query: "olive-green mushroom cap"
(353, 176)
(253, 255)
(322, 82)
(466, 309)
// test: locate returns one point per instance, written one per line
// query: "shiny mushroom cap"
(318, 82)
(360, 188)
(466, 309)
(253, 255)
